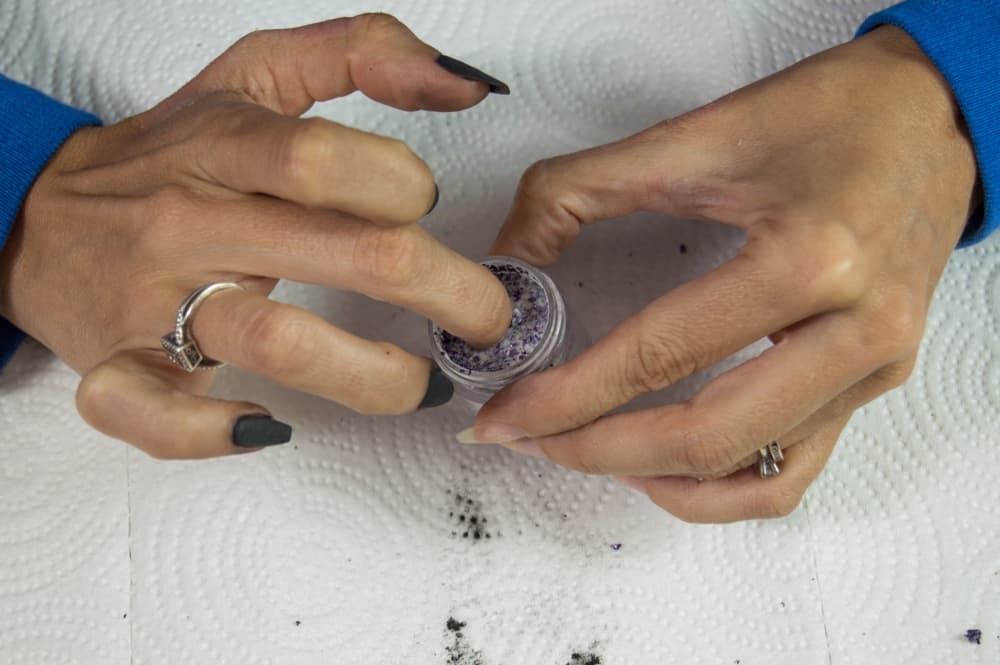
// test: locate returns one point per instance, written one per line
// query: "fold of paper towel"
(356, 544)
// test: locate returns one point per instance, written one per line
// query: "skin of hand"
(853, 176)
(223, 181)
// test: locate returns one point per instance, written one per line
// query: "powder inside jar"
(530, 319)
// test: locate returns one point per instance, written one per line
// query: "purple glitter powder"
(527, 328)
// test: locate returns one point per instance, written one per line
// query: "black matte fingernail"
(470, 73)
(259, 430)
(439, 390)
(434, 203)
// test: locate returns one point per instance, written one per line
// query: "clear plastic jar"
(543, 334)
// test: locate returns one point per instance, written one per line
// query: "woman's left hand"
(853, 177)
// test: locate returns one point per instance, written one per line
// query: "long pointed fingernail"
(434, 203)
(467, 436)
(439, 390)
(470, 73)
(259, 430)
(491, 434)
(525, 447)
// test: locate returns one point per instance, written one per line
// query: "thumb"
(676, 167)
(288, 70)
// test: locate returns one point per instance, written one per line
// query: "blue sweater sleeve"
(962, 38)
(32, 127)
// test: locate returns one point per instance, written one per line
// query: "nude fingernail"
(525, 447)
(500, 434)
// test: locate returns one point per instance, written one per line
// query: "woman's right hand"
(223, 182)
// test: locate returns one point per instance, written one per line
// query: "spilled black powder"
(458, 650)
(581, 658)
(527, 327)
(467, 519)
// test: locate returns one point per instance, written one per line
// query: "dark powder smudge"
(588, 658)
(974, 635)
(459, 652)
(527, 327)
(468, 521)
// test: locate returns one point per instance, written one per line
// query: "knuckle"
(254, 40)
(412, 171)
(170, 210)
(899, 324)
(825, 263)
(541, 181)
(375, 23)
(709, 456)
(302, 159)
(389, 258)
(276, 343)
(898, 373)
(836, 280)
(655, 360)
(94, 393)
(547, 215)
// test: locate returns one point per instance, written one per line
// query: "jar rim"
(498, 378)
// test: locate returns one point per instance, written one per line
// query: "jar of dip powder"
(541, 335)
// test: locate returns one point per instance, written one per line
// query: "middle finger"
(402, 265)
(732, 417)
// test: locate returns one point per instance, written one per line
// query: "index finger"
(288, 70)
(769, 286)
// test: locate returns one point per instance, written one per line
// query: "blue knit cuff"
(32, 128)
(960, 38)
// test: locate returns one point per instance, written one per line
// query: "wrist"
(929, 109)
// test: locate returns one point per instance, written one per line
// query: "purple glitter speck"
(530, 319)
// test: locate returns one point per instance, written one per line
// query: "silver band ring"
(179, 344)
(770, 455)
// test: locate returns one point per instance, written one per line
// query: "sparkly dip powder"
(530, 320)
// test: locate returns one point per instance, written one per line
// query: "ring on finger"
(770, 456)
(179, 344)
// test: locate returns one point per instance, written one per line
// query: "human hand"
(852, 176)
(222, 182)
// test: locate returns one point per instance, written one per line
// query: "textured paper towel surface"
(349, 545)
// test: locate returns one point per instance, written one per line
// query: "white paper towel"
(348, 547)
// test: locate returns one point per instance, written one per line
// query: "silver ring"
(179, 344)
(770, 455)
